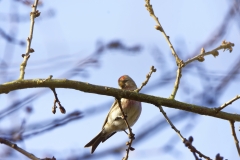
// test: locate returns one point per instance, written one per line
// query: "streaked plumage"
(113, 122)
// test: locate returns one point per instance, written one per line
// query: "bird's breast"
(131, 108)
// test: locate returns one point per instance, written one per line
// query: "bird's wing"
(111, 109)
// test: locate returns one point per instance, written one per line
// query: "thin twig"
(235, 136)
(147, 78)
(61, 108)
(188, 143)
(179, 62)
(14, 146)
(171, 124)
(130, 135)
(227, 103)
(160, 28)
(175, 88)
(225, 46)
(35, 13)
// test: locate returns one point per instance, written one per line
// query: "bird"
(114, 121)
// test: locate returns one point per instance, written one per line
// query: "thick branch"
(90, 88)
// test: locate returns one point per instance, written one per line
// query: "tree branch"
(187, 143)
(14, 146)
(130, 135)
(225, 46)
(35, 13)
(103, 90)
(124, 116)
(171, 124)
(227, 103)
(179, 62)
(235, 137)
(176, 85)
(160, 28)
(61, 108)
(147, 78)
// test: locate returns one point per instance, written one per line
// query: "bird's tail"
(95, 141)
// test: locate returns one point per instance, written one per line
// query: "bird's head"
(127, 83)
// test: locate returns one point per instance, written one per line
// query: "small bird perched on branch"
(114, 121)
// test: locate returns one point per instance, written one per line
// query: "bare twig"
(147, 78)
(160, 28)
(175, 88)
(179, 62)
(61, 108)
(227, 103)
(171, 124)
(49, 77)
(190, 140)
(150, 129)
(14, 146)
(130, 135)
(188, 143)
(225, 46)
(35, 13)
(235, 136)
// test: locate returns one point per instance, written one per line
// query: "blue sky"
(73, 33)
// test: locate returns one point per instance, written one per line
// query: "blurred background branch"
(126, 43)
